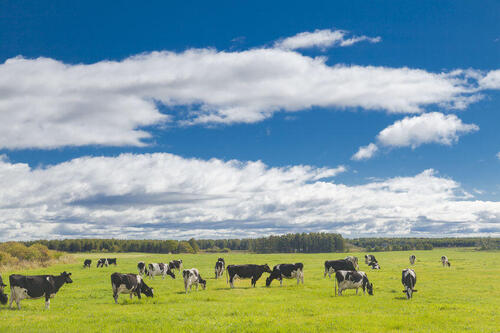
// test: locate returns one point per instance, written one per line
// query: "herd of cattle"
(347, 276)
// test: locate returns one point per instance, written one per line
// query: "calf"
(102, 262)
(353, 280)
(192, 276)
(287, 271)
(129, 284)
(141, 266)
(409, 279)
(253, 272)
(445, 261)
(36, 286)
(3, 298)
(354, 261)
(369, 258)
(175, 264)
(87, 263)
(331, 266)
(374, 265)
(412, 259)
(111, 261)
(219, 269)
(159, 269)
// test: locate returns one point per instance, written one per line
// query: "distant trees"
(408, 244)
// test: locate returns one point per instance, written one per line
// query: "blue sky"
(239, 120)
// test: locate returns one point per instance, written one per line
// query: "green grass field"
(465, 297)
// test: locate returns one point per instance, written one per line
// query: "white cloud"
(45, 103)
(498, 155)
(321, 39)
(491, 80)
(365, 152)
(167, 196)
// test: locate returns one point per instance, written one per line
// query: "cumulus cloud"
(365, 152)
(491, 80)
(45, 103)
(167, 196)
(322, 39)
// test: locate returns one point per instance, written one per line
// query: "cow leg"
(281, 282)
(131, 295)
(302, 277)
(12, 295)
(138, 295)
(356, 291)
(298, 278)
(231, 281)
(47, 301)
(115, 296)
(254, 281)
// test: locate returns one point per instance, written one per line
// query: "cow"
(409, 279)
(111, 261)
(159, 269)
(413, 259)
(369, 258)
(87, 263)
(331, 266)
(3, 298)
(353, 280)
(192, 276)
(374, 265)
(354, 260)
(36, 286)
(287, 271)
(219, 269)
(141, 266)
(175, 264)
(102, 262)
(250, 271)
(129, 284)
(445, 261)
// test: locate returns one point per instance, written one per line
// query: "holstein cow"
(253, 272)
(287, 271)
(374, 265)
(412, 259)
(129, 284)
(445, 261)
(102, 262)
(409, 279)
(219, 269)
(141, 266)
(369, 258)
(111, 261)
(331, 266)
(175, 264)
(3, 298)
(159, 269)
(353, 280)
(36, 286)
(192, 276)
(87, 263)
(354, 260)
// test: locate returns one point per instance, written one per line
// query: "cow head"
(202, 282)
(66, 277)
(266, 268)
(146, 290)
(369, 287)
(170, 272)
(3, 298)
(274, 274)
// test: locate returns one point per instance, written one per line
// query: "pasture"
(465, 297)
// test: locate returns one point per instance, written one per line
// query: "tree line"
(407, 244)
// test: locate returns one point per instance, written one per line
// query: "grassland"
(465, 297)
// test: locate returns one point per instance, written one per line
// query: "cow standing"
(141, 267)
(331, 266)
(192, 276)
(111, 261)
(253, 272)
(369, 258)
(354, 260)
(409, 279)
(87, 263)
(129, 284)
(159, 269)
(445, 261)
(287, 271)
(36, 286)
(219, 268)
(353, 280)
(3, 298)
(102, 262)
(175, 264)
(413, 259)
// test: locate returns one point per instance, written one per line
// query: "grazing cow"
(219, 269)
(102, 262)
(287, 271)
(87, 263)
(111, 261)
(374, 265)
(141, 266)
(354, 260)
(129, 284)
(192, 276)
(353, 280)
(369, 258)
(445, 261)
(331, 266)
(409, 279)
(412, 259)
(175, 264)
(159, 269)
(253, 272)
(3, 298)
(36, 286)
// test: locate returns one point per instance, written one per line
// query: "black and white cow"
(159, 269)
(111, 261)
(354, 260)
(141, 266)
(369, 258)
(353, 280)
(331, 266)
(129, 284)
(36, 286)
(445, 261)
(3, 298)
(102, 262)
(192, 276)
(87, 263)
(287, 271)
(219, 268)
(413, 258)
(250, 271)
(409, 279)
(374, 265)
(175, 264)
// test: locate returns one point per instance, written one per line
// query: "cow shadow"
(400, 297)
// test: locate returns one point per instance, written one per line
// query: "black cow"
(175, 264)
(87, 263)
(111, 261)
(36, 286)
(353, 280)
(129, 284)
(287, 271)
(141, 266)
(413, 259)
(369, 258)
(219, 268)
(250, 271)
(409, 279)
(102, 262)
(331, 266)
(3, 298)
